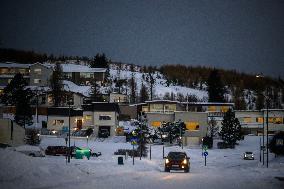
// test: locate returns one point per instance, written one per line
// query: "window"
(212, 108)
(156, 124)
(275, 120)
(37, 80)
(104, 117)
(37, 71)
(191, 125)
(57, 122)
(259, 119)
(247, 120)
(88, 117)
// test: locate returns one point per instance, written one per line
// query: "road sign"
(205, 147)
(205, 154)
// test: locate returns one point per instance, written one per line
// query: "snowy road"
(225, 169)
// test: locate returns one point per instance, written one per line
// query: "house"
(8, 70)
(58, 119)
(159, 111)
(253, 122)
(118, 98)
(102, 117)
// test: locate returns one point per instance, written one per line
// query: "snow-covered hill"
(160, 88)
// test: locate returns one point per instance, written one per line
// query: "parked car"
(4, 145)
(56, 150)
(248, 156)
(80, 153)
(29, 150)
(177, 161)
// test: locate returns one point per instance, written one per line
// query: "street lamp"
(266, 101)
(69, 127)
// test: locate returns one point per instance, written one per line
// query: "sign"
(133, 141)
(205, 154)
(205, 147)
(262, 147)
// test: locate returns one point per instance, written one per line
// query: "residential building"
(8, 70)
(102, 117)
(252, 122)
(58, 119)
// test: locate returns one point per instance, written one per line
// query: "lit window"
(192, 125)
(247, 120)
(37, 80)
(57, 122)
(88, 117)
(212, 108)
(259, 119)
(37, 71)
(156, 124)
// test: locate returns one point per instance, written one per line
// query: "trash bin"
(120, 160)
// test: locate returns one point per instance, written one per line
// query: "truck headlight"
(184, 161)
(167, 161)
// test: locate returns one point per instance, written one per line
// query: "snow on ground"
(225, 168)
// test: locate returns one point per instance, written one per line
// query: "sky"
(247, 36)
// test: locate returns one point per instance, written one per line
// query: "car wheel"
(167, 170)
(186, 170)
(32, 155)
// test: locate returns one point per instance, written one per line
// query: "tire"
(186, 170)
(32, 155)
(167, 169)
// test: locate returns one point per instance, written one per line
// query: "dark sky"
(245, 35)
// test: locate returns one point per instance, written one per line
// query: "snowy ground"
(225, 169)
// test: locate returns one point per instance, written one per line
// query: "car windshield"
(248, 152)
(177, 155)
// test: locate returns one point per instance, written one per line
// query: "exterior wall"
(128, 110)
(155, 119)
(44, 75)
(5, 133)
(115, 97)
(113, 122)
(275, 120)
(73, 122)
(253, 121)
(196, 117)
(88, 119)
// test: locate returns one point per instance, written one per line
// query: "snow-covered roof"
(67, 67)
(209, 103)
(14, 65)
(70, 86)
(161, 101)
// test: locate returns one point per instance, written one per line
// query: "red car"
(177, 161)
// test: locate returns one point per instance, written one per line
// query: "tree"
(57, 85)
(133, 87)
(95, 91)
(100, 61)
(151, 79)
(231, 129)
(215, 87)
(16, 94)
(172, 131)
(212, 127)
(143, 93)
(142, 133)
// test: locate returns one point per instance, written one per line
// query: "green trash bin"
(82, 152)
(120, 160)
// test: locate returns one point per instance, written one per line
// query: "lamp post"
(69, 126)
(266, 101)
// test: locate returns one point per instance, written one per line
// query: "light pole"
(266, 101)
(69, 126)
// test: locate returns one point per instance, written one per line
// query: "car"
(248, 156)
(4, 145)
(80, 153)
(34, 151)
(177, 161)
(56, 150)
